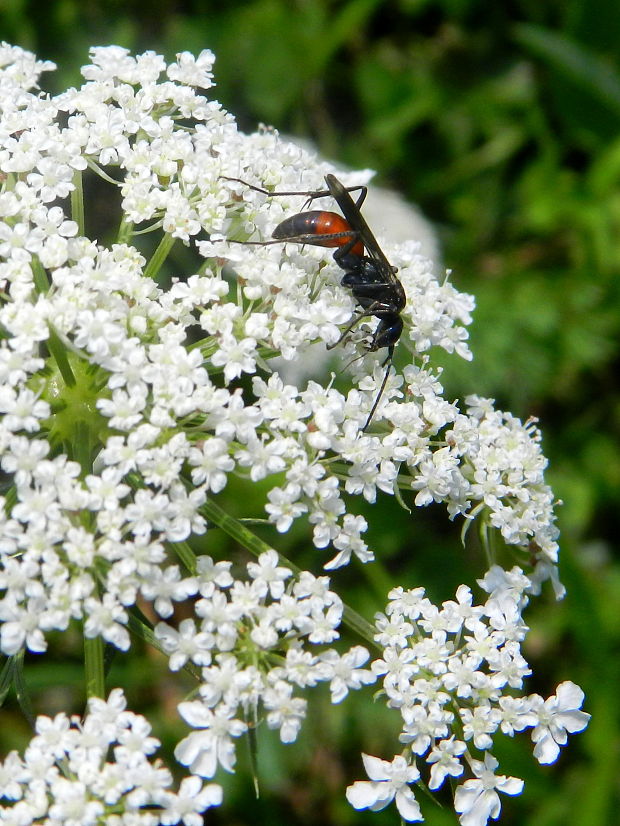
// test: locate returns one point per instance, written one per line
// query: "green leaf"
(576, 63)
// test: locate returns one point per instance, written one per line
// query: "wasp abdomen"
(328, 228)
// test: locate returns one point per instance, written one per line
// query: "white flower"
(185, 644)
(393, 631)
(212, 744)
(72, 804)
(263, 457)
(53, 735)
(190, 801)
(107, 489)
(323, 624)
(22, 410)
(477, 800)
(302, 668)
(110, 713)
(444, 756)
(557, 717)
(124, 410)
(163, 586)
(268, 575)
(223, 683)
(388, 781)
(212, 574)
(107, 618)
(236, 357)
(423, 725)
(517, 713)
(399, 666)
(194, 71)
(285, 712)
(409, 603)
(479, 724)
(283, 507)
(344, 671)
(20, 625)
(135, 741)
(12, 774)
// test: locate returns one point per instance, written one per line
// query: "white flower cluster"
(453, 673)
(249, 642)
(94, 349)
(492, 466)
(130, 391)
(98, 770)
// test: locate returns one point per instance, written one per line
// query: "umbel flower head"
(99, 769)
(133, 386)
(453, 673)
(125, 403)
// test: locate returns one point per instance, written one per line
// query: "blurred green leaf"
(598, 78)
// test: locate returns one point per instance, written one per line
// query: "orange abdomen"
(312, 227)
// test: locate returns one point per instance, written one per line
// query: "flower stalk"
(93, 667)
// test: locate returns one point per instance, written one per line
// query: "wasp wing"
(357, 223)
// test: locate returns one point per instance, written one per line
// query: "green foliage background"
(501, 120)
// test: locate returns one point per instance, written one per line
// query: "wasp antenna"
(245, 183)
(252, 243)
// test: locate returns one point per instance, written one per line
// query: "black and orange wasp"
(367, 272)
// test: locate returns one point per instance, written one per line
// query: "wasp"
(367, 272)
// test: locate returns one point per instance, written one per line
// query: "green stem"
(21, 691)
(77, 202)
(82, 444)
(355, 622)
(186, 555)
(125, 231)
(93, 667)
(59, 352)
(159, 256)
(252, 741)
(139, 627)
(486, 540)
(351, 619)
(40, 276)
(239, 532)
(96, 168)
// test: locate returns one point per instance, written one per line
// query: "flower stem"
(234, 528)
(159, 256)
(82, 446)
(93, 667)
(13, 674)
(186, 555)
(40, 276)
(139, 627)
(59, 353)
(77, 202)
(125, 230)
